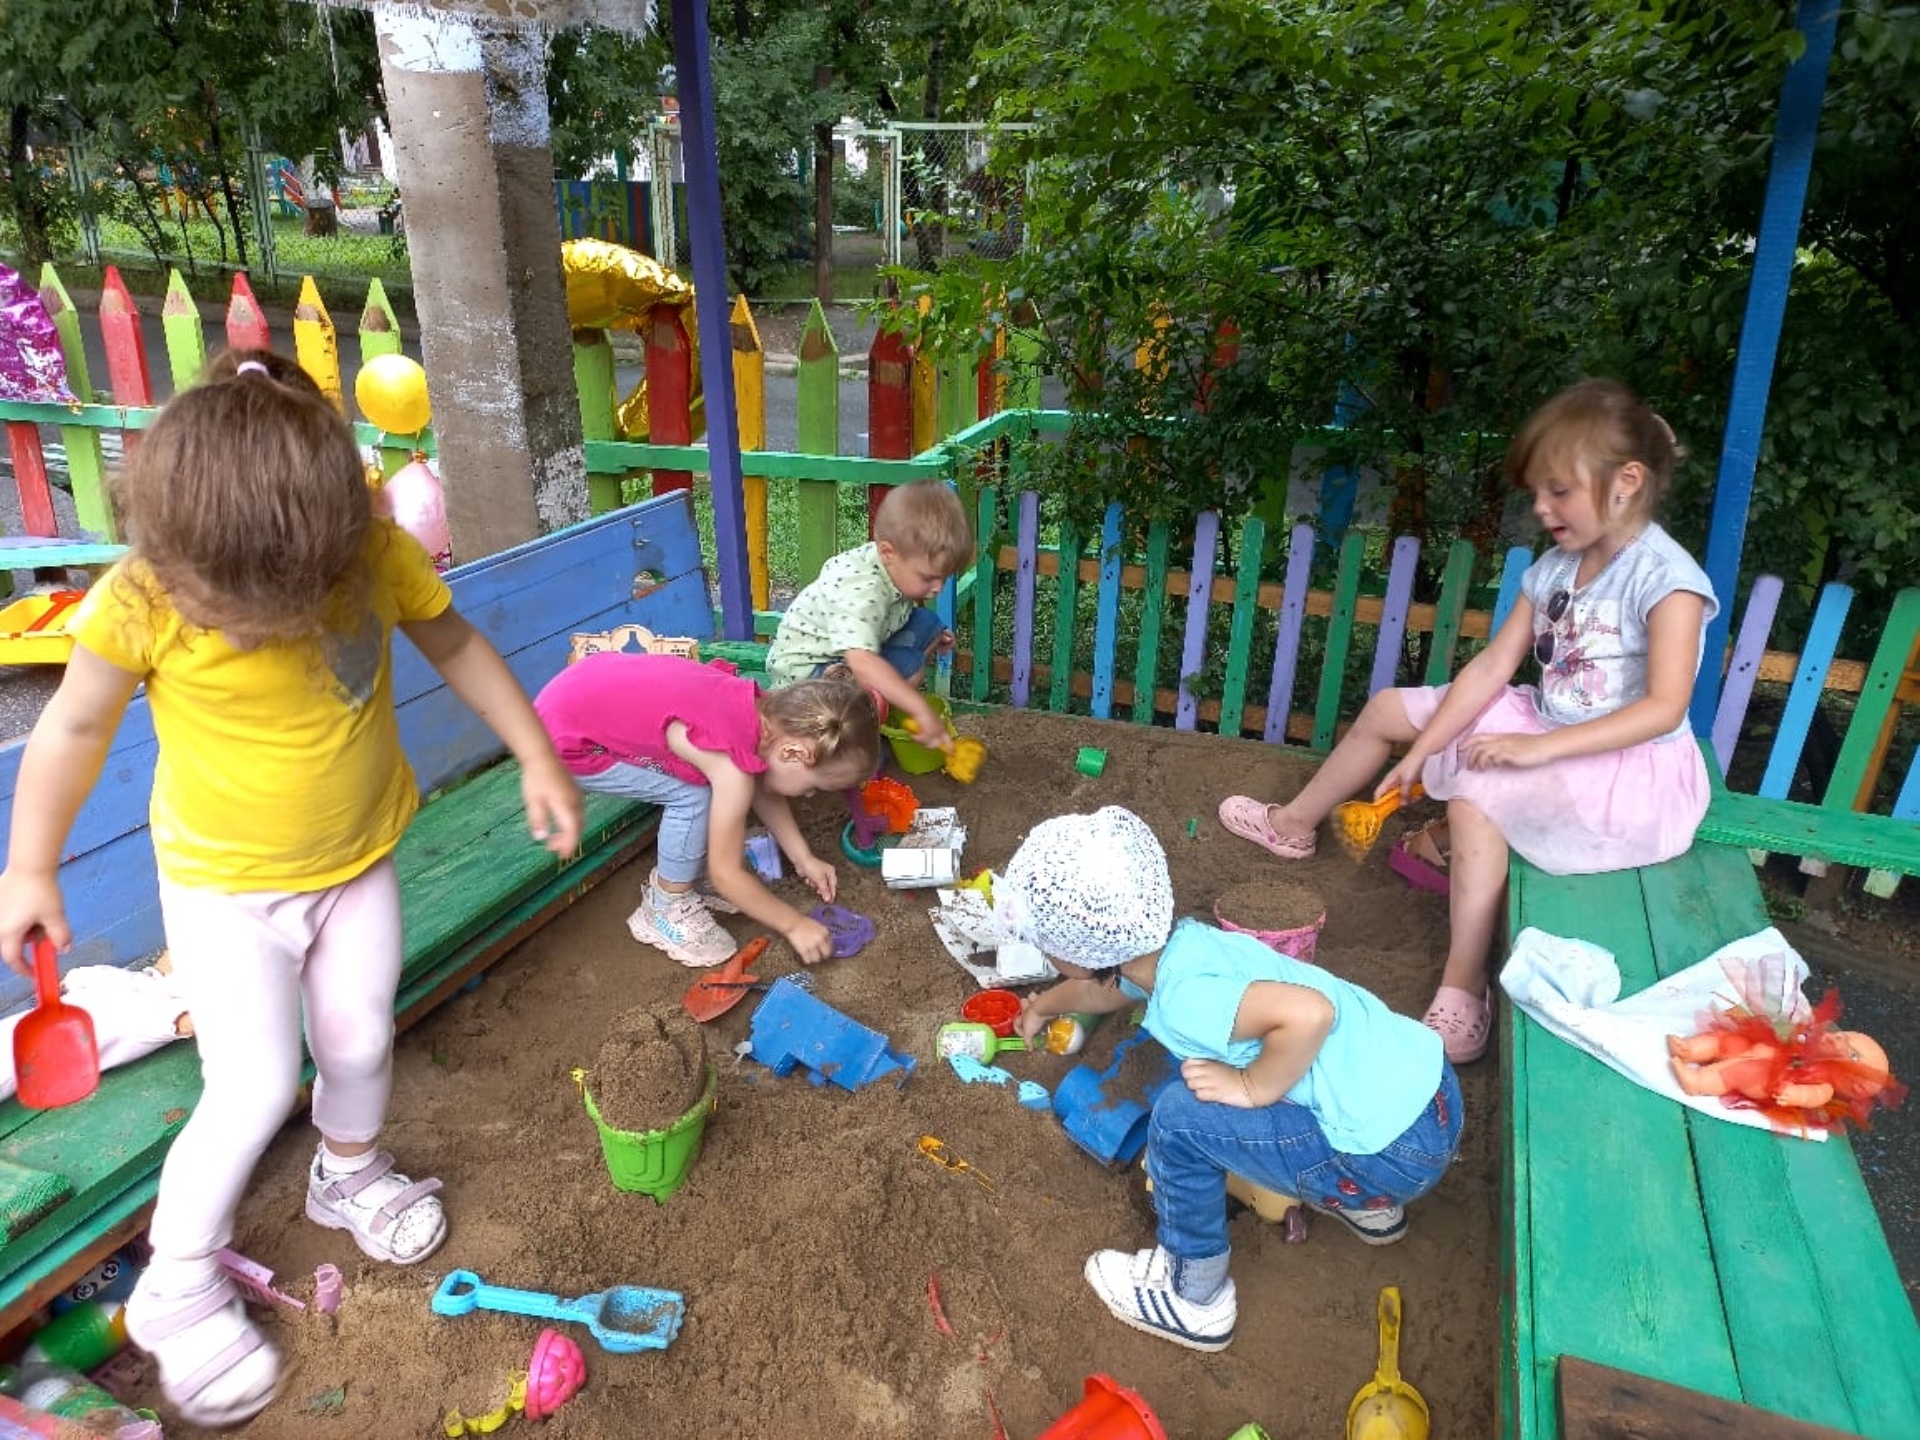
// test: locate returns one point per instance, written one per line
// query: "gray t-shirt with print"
(1596, 661)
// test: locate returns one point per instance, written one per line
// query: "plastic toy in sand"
(455, 1424)
(33, 629)
(1106, 1112)
(625, 1319)
(879, 808)
(1356, 824)
(1387, 1407)
(852, 932)
(1108, 1411)
(793, 1028)
(555, 1374)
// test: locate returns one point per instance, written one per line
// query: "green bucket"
(908, 753)
(1248, 1432)
(655, 1162)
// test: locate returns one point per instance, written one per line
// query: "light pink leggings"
(246, 963)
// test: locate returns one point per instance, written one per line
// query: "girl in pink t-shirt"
(707, 746)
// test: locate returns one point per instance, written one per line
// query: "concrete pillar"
(468, 105)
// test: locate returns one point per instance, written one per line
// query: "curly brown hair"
(246, 503)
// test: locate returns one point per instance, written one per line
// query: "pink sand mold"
(554, 1374)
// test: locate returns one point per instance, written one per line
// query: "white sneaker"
(1138, 1289)
(712, 898)
(679, 923)
(389, 1216)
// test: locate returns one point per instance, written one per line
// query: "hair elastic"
(254, 366)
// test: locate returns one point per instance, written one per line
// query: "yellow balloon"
(391, 391)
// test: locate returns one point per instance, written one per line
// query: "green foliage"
(1422, 220)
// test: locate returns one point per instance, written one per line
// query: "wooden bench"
(1671, 1245)
(472, 882)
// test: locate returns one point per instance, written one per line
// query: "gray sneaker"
(680, 924)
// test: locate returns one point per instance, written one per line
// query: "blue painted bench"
(1671, 1245)
(472, 883)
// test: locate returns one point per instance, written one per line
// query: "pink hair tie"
(252, 365)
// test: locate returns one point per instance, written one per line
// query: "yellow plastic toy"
(33, 629)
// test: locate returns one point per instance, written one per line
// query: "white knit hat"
(1089, 889)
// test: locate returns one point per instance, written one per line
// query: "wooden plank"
(1286, 640)
(987, 517)
(186, 337)
(750, 403)
(1511, 573)
(1233, 693)
(1598, 1402)
(1193, 640)
(1027, 530)
(1106, 619)
(125, 344)
(1346, 588)
(818, 407)
(1607, 1227)
(890, 405)
(1146, 662)
(923, 389)
(316, 345)
(1791, 827)
(669, 390)
(86, 467)
(247, 322)
(379, 326)
(593, 386)
(1449, 611)
(1856, 773)
(1066, 608)
(1762, 602)
(1803, 1267)
(1393, 614)
(30, 479)
(955, 399)
(1796, 718)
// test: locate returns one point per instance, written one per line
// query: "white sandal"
(211, 1384)
(389, 1216)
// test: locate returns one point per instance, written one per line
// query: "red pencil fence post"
(670, 390)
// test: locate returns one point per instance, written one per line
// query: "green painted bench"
(1668, 1244)
(472, 882)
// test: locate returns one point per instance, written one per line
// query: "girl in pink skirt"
(1593, 770)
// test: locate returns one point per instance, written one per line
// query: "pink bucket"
(1299, 942)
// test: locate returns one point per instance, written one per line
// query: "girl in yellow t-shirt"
(258, 606)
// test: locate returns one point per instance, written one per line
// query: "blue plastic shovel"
(623, 1318)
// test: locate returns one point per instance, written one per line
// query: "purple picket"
(1393, 615)
(1028, 538)
(1744, 668)
(1286, 644)
(1206, 539)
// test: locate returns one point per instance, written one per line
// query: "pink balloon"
(412, 497)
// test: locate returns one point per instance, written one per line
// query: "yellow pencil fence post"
(315, 345)
(750, 401)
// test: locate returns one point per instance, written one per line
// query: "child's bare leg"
(1477, 872)
(1356, 762)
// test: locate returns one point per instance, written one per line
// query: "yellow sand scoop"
(1357, 823)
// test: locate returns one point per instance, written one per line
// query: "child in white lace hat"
(1293, 1078)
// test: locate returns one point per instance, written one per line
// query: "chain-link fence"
(950, 199)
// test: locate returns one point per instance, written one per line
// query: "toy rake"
(1357, 823)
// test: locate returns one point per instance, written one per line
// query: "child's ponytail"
(834, 718)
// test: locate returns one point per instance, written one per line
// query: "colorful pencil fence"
(1270, 645)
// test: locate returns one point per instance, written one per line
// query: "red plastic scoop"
(56, 1060)
(712, 996)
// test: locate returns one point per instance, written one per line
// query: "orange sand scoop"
(1357, 823)
(711, 996)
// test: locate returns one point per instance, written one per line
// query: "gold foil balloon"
(612, 287)
(391, 391)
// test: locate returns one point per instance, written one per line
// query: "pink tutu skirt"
(1577, 816)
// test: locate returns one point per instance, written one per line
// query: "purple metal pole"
(695, 75)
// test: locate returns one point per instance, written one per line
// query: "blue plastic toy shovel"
(623, 1318)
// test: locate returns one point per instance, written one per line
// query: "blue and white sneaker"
(1138, 1289)
(678, 922)
(1383, 1226)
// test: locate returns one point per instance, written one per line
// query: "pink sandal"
(1464, 1021)
(1246, 817)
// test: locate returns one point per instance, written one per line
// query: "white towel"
(1573, 989)
(134, 1012)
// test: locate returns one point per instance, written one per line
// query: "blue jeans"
(1192, 1145)
(681, 846)
(906, 648)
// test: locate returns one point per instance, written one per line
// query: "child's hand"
(1516, 752)
(1403, 777)
(810, 940)
(944, 643)
(1218, 1084)
(1031, 1020)
(29, 903)
(821, 875)
(927, 726)
(555, 812)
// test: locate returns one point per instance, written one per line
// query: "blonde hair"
(1597, 426)
(246, 503)
(835, 718)
(926, 521)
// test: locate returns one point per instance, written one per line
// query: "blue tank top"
(1375, 1073)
